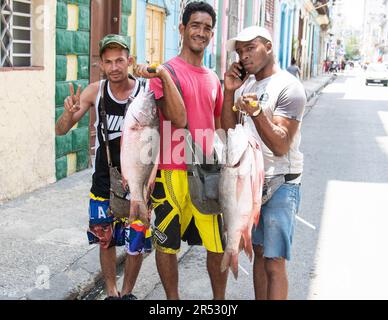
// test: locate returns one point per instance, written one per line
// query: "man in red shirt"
(176, 218)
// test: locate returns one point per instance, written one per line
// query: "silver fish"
(241, 184)
(140, 151)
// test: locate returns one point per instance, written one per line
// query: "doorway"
(155, 18)
(104, 19)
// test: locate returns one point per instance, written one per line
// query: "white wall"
(27, 108)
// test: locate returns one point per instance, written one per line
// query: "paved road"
(345, 192)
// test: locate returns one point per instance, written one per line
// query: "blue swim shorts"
(277, 220)
(109, 231)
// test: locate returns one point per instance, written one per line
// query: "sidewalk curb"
(78, 279)
(317, 90)
(312, 97)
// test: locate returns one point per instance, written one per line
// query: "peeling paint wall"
(27, 143)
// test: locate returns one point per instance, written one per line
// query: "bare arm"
(76, 105)
(171, 103)
(228, 117)
(277, 133)
(217, 123)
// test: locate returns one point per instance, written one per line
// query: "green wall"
(72, 150)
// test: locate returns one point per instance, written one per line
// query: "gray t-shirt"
(294, 70)
(281, 95)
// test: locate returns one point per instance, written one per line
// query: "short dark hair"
(198, 6)
(262, 40)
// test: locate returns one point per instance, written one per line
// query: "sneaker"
(129, 296)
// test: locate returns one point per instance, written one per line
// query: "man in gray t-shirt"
(276, 124)
(294, 69)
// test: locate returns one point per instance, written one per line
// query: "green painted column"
(72, 65)
(126, 11)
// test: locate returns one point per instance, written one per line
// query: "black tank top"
(115, 111)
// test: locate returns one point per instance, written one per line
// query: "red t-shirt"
(202, 95)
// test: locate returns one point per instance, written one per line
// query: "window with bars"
(15, 33)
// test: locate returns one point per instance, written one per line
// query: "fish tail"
(230, 260)
(256, 220)
(234, 265)
(226, 261)
(248, 248)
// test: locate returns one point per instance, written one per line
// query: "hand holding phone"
(243, 72)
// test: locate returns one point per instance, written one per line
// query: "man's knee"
(275, 267)
(107, 250)
(135, 257)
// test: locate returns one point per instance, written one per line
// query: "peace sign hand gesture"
(72, 102)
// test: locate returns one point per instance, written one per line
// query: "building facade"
(375, 31)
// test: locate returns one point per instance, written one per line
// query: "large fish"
(140, 151)
(241, 184)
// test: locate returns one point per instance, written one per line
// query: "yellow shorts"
(177, 219)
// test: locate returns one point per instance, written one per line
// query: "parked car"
(376, 73)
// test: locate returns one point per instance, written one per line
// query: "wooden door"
(155, 18)
(104, 19)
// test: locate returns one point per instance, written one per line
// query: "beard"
(262, 66)
(194, 47)
(116, 78)
(196, 50)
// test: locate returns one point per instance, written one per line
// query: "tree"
(352, 48)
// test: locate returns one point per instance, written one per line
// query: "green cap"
(114, 38)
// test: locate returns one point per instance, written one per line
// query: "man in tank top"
(109, 231)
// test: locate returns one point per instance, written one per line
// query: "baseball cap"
(114, 38)
(248, 34)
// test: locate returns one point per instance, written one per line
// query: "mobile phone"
(243, 73)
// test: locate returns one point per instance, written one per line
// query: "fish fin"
(144, 214)
(225, 261)
(256, 220)
(240, 186)
(248, 249)
(256, 214)
(151, 180)
(234, 265)
(241, 244)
